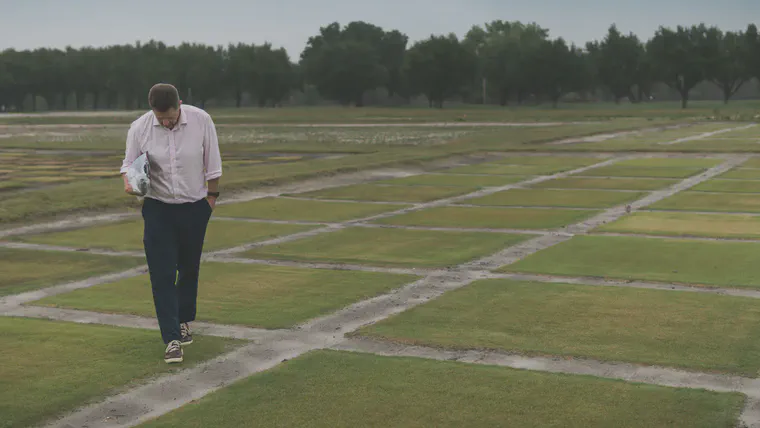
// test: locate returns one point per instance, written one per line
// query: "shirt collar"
(182, 118)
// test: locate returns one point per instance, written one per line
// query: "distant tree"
(727, 61)
(274, 76)
(616, 61)
(438, 67)
(679, 58)
(345, 63)
(559, 69)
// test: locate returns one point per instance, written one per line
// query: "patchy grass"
(609, 183)
(716, 202)
(52, 367)
(753, 162)
(294, 209)
(742, 174)
(25, 270)
(671, 162)
(642, 171)
(487, 217)
(388, 193)
(501, 169)
(352, 389)
(723, 264)
(471, 181)
(687, 224)
(562, 161)
(128, 236)
(686, 330)
(390, 247)
(729, 186)
(557, 198)
(250, 295)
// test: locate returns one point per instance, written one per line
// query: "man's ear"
(180, 102)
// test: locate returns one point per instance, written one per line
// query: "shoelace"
(174, 345)
(184, 329)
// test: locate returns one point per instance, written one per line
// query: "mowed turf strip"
(300, 210)
(716, 202)
(488, 217)
(51, 367)
(686, 330)
(390, 247)
(388, 193)
(671, 162)
(455, 180)
(585, 198)
(716, 263)
(346, 389)
(687, 224)
(742, 174)
(729, 186)
(642, 171)
(25, 270)
(244, 294)
(128, 236)
(506, 169)
(610, 183)
(562, 161)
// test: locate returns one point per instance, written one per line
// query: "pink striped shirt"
(182, 159)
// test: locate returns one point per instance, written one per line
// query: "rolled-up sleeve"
(212, 159)
(132, 151)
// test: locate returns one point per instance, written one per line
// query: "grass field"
(428, 275)
(52, 367)
(346, 389)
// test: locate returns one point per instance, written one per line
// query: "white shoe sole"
(173, 360)
(186, 343)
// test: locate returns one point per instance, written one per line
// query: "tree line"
(499, 62)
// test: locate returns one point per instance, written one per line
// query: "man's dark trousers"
(173, 239)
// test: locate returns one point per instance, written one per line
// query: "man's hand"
(211, 201)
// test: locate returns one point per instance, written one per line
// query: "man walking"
(185, 166)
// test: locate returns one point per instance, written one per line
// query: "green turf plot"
(750, 133)
(488, 217)
(729, 186)
(52, 367)
(388, 193)
(502, 169)
(717, 202)
(562, 161)
(351, 390)
(128, 235)
(456, 180)
(557, 198)
(244, 294)
(25, 270)
(642, 171)
(670, 162)
(753, 162)
(742, 174)
(391, 247)
(687, 224)
(294, 209)
(716, 263)
(609, 183)
(686, 330)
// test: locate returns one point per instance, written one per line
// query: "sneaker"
(184, 330)
(173, 352)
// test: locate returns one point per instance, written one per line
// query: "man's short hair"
(162, 97)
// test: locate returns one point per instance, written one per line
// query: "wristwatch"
(214, 194)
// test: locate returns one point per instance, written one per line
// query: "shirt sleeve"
(132, 151)
(212, 159)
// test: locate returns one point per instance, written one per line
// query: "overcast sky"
(28, 24)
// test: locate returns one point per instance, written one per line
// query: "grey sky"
(26, 24)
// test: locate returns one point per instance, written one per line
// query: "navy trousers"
(173, 239)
